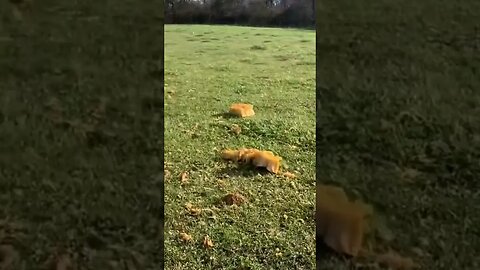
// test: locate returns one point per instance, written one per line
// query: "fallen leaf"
(210, 213)
(234, 198)
(192, 210)
(184, 178)
(395, 261)
(289, 175)
(236, 129)
(166, 174)
(186, 237)
(207, 242)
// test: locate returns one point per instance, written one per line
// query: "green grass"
(398, 91)
(207, 68)
(92, 191)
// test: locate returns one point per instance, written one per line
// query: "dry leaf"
(207, 242)
(242, 109)
(236, 129)
(184, 178)
(395, 261)
(234, 198)
(186, 237)
(289, 175)
(166, 174)
(192, 210)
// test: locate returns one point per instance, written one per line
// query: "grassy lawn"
(399, 121)
(80, 137)
(207, 68)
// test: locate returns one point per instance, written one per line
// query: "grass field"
(399, 121)
(80, 135)
(207, 68)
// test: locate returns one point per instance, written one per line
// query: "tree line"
(296, 13)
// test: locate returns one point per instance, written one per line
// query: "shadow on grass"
(224, 115)
(258, 47)
(323, 251)
(325, 254)
(242, 170)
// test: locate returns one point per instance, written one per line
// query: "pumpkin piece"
(268, 160)
(242, 109)
(254, 156)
